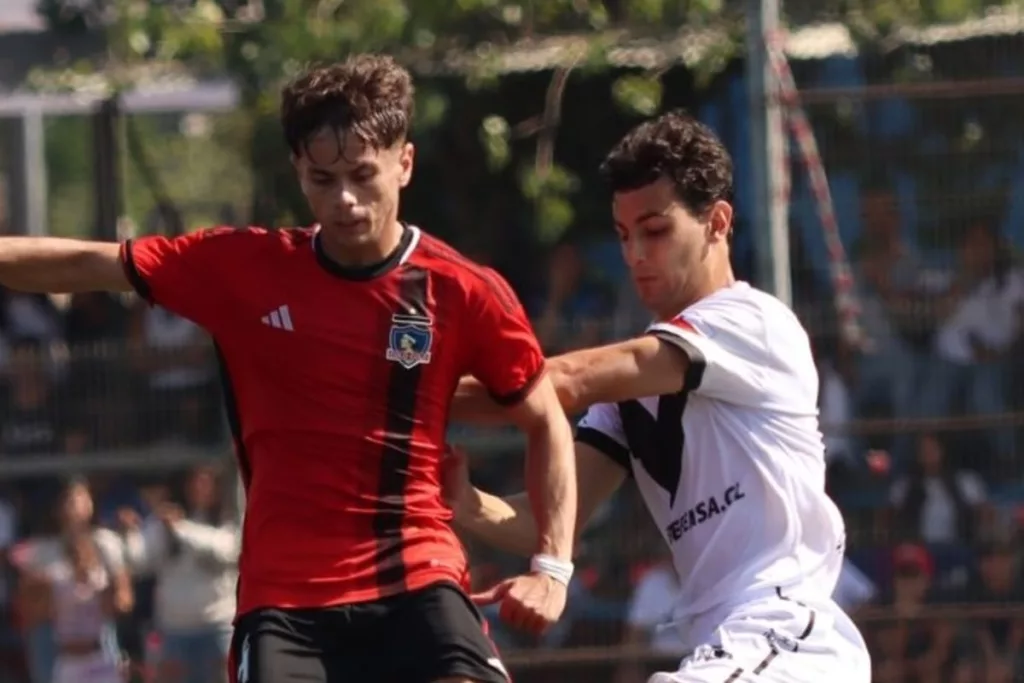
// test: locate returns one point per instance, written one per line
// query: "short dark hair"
(680, 148)
(369, 95)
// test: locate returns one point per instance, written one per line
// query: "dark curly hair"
(369, 95)
(678, 147)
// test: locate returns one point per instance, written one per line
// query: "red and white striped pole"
(807, 150)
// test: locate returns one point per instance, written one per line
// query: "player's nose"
(347, 199)
(634, 252)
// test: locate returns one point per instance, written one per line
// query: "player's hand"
(455, 485)
(531, 602)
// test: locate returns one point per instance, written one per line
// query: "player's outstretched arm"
(508, 523)
(645, 366)
(550, 469)
(54, 264)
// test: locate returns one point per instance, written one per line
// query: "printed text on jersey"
(703, 511)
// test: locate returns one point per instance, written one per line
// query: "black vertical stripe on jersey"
(402, 390)
(233, 417)
(235, 425)
(657, 442)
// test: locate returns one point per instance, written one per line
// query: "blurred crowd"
(922, 451)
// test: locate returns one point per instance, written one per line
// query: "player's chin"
(351, 234)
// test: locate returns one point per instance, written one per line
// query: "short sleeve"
(742, 354)
(185, 274)
(601, 429)
(505, 356)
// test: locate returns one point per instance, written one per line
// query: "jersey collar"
(400, 254)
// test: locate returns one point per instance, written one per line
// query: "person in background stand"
(37, 557)
(193, 552)
(79, 596)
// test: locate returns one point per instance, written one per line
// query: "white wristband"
(559, 570)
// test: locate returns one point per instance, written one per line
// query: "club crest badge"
(410, 340)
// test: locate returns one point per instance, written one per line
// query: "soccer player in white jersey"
(713, 413)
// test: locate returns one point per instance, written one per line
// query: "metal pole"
(107, 180)
(34, 170)
(768, 153)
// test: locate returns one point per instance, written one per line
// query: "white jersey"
(732, 467)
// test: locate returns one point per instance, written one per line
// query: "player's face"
(352, 189)
(669, 251)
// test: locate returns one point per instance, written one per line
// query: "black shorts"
(418, 637)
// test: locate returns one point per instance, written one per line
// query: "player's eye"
(364, 175)
(323, 180)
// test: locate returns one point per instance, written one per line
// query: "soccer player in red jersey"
(342, 345)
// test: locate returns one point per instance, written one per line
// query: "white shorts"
(95, 668)
(778, 641)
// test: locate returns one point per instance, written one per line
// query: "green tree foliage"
(261, 42)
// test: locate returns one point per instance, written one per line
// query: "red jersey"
(338, 385)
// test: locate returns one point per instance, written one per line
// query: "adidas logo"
(279, 319)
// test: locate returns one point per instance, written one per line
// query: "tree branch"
(552, 116)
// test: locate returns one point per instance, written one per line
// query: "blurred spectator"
(193, 553)
(936, 502)
(994, 645)
(906, 648)
(179, 381)
(29, 316)
(975, 343)
(96, 329)
(94, 318)
(36, 421)
(573, 312)
(38, 556)
(845, 461)
(649, 620)
(78, 593)
(887, 277)
(12, 658)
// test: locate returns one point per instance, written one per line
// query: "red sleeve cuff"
(519, 395)
(131, 271)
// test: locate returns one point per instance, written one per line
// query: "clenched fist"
(531, 602)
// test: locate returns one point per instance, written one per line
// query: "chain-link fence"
(921, 145)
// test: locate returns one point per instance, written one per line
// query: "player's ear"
(720, 220)
(406, 158)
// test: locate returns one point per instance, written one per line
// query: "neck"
(365, 254)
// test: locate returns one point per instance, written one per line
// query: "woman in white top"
(41, 561)
(193, 553)
(77, 595)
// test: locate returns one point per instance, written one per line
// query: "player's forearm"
(53, 264)
(551, 486)
(503, 523)
(617, 372)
